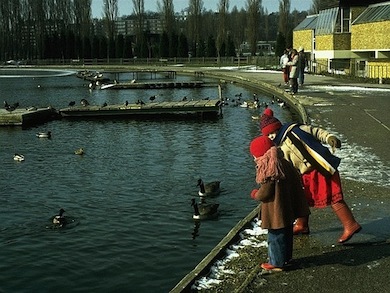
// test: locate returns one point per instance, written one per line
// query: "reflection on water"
(32, 73)
(130, 192)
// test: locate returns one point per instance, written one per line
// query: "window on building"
(373, 13)
(345, 20)
(362, 65)
(326, 22)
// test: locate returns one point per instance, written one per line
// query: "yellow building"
(348, 40)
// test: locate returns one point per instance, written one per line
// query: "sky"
(125, 7)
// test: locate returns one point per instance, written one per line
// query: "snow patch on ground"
(249, 237)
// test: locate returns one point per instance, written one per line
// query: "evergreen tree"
(95, 47)
(128, 48)
(173, 38)
(102, 47)
(87, 47)
(119, 46)
(280, 44)
(211, 49)
(201, 48)
(182, 49)
(164, 45)
(230, 48)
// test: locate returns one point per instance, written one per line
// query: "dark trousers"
(280, 246)
(294, 85)
(301, 75)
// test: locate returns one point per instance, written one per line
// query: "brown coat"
(283, 200)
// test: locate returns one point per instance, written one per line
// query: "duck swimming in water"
(18, 157)
(79, 151)
(44, 134)
(60, 219)
(203, 210)
(208, 189)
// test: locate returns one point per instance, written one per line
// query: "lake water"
(129, 195)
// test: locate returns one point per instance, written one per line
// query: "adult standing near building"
(285, 69)
(302, 64)
(293, 71)
(302, 146)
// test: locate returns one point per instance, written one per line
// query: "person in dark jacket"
(282, 197)
(302, 64)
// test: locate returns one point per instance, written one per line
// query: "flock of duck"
(84, 102)
(202, 209)
(253, 103)
(47, 134)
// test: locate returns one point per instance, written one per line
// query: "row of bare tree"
(38, 29)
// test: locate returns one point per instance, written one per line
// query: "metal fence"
(354, 69)
(259, 61)
(350, 68)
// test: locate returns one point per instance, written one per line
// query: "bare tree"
(142, 48)
(139, 12)
(253, 8)
(238, 21)
(194, 22)
(38, 17)
(82, 17)
(284, 21)
(59, 14)
(82, 22)
(110, 8)
(167, 12)
(6, 29)
(223, 8)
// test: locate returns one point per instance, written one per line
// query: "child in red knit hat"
(302, 146)
(282, 197)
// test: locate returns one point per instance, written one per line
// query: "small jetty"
(204, 109)
(153, 85)
(27, 117)
(144, 73)
(137, 74)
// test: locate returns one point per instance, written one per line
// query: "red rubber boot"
(301, 226)
(346, 218)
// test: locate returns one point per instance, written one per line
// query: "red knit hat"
(260, 145)
(268, 123)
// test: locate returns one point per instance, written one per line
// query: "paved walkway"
(362, 119)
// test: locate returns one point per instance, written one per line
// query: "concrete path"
(360, 117)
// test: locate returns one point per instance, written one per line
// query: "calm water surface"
(129, 195)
